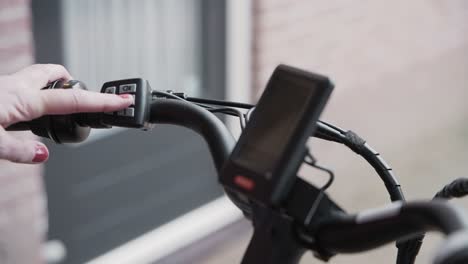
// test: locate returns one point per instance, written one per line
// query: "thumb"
(21, 151)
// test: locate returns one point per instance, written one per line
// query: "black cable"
(236, 112)
(385, 172)
(175, 96)
(167, 94)
(243, 120)
(328, 133)
(342, 131)
(323, 131)
(456, 189)
(407, 250)
(224, 110)
(249, 113)
(219, 102)
(202, 102)
(360, 147)
(313, 163)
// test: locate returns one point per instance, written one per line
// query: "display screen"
(264, 163)
(273, 123)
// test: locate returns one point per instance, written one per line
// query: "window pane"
(116, 39)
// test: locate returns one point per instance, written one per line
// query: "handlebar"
(219, 139)
(331, 232)
(373, 228)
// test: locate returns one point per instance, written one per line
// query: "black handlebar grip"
(21, 126)
(374, 228)
(59, 128)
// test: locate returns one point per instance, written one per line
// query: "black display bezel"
(273, 191)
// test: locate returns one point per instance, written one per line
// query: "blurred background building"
(400, 70)
(22, 200)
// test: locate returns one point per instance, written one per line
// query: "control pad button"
(127, 88)
(110, 90)
(130, 112)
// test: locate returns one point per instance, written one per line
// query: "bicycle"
(289, 215)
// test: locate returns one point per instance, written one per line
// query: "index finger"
(38, 76)
(67, 101)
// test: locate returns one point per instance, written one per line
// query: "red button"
(244, 182)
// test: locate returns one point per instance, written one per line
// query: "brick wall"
(22, 203)
(401, 75)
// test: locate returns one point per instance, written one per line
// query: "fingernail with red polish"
(42, 154)
(126, 96)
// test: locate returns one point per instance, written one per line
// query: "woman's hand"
(21, 99)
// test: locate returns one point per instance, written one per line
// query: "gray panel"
(133, 182)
